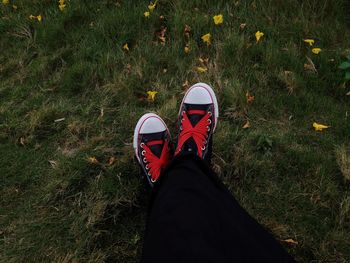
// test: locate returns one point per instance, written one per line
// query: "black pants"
(194, 218)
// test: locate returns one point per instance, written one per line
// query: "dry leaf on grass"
(242, 26)
(111, 160)
(53, 163)
(249, 98)
(203, 61)
(21, 141)
(290, 242)
(59, 120)
(246, 125)
(92, 160)
(161, 35)
(187, 31)
(310, 66)
(186, 85)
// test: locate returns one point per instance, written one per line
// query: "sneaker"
(198, 118)
(152, 146)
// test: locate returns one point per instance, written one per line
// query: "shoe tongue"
(155, 148)
(195, 113)
(195, 118)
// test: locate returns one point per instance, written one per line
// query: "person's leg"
(194, 218)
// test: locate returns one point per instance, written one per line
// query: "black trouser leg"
(194, 218)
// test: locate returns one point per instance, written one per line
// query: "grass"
(57, 206)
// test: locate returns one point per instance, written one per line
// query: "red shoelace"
(155, 164)
(199, 132)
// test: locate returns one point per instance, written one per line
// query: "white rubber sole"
(212, 96)
(138, 127)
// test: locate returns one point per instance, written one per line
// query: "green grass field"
(70, 95)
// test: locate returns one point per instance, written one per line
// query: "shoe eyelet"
(149, 174)
(209, 121)
(209, 112)
(142, 144)
(208, 128)
(182, 113)
(153, 181)
(143, 152)
(147, 167)
(203, 148)
(144, 160)
(182, 120)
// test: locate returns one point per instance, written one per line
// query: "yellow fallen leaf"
(14, 7)
(151, 95)
(319, 127)
(206, 38)
(201, 69)
(309, 41)
(187, 49)
(151, 6)
(316, 50)
(61, 7)
(246, 125)
(218, 19)
(146, 14)
(126, 47)
(5, 2)
(92, 160)
(258, 35)
(347, 94)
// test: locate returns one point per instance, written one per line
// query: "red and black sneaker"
(198, 118)
(152, 146)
